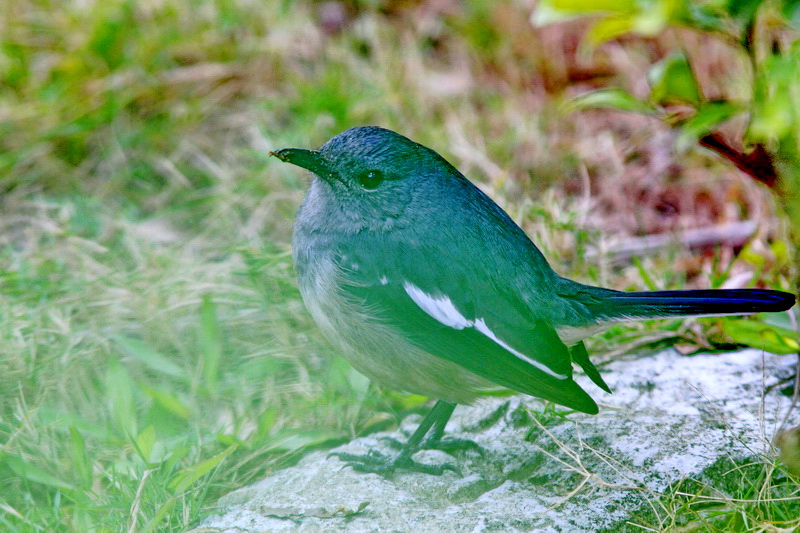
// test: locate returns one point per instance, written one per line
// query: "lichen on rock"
(671, 418)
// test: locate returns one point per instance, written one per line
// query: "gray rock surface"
(670, 418)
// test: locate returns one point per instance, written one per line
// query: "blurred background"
(154, 352)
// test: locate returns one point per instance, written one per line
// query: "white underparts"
(441, 309)
(571, 335)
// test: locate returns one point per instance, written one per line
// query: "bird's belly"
(379, 351)
(570, 335)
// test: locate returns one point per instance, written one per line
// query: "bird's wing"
(477, 326)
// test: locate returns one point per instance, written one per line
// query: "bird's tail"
(615, 305)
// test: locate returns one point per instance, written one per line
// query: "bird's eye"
(370, 179)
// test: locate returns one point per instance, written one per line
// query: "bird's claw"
(370, 458)
(392, 443)
(447, 445)
(376, 463)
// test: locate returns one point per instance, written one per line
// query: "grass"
(155, 352)
(754, 496)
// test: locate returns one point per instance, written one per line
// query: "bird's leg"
(377, 463)
(437, 441)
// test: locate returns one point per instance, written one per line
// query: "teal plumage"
(428, 286)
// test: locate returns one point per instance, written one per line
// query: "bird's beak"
(308, 159)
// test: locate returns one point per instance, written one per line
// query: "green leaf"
(359, 383)
(618, 17)
(292, 440)
(761, 336)
(607, 98)
(33, 473)
(702, 16)
(651, 19)
(743, 10)
(186, 477)
(159, 515)
(772, 118)
(167, 401)
(228, 440)
(775, 100)
(210, 343)
(593, 6)
(144, 443)
(80, 459)
(780, 321)
(555, 11)
(708, 117)
(644, 274)
(672, 81)
(791, 10)
(119, 391)
(266, 421)
(150, 358)
(609, 28)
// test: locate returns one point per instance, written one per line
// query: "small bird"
(427, 286)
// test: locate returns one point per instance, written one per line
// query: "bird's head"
(372, 174)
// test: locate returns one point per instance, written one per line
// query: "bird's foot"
(448, 444)
(444, 444)
(377, 463)
(383, 464)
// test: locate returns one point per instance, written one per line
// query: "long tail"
(614, 305)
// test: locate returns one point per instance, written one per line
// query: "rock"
(671, 418)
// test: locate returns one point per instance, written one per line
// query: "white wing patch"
(442, 310)
(481, 326)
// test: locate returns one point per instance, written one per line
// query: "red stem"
(758, 163)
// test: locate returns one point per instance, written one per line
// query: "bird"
(425, 285)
